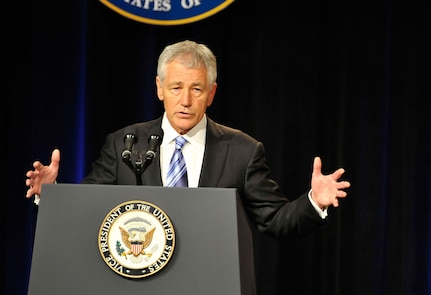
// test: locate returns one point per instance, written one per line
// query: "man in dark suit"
(215, 155)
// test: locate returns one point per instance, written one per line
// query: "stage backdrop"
(347, 81)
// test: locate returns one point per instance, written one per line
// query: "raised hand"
(326, 189)
(42, 174)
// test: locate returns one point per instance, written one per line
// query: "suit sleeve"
(272, 211)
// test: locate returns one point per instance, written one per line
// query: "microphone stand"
(139, 167)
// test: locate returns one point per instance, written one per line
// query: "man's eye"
(175, 89)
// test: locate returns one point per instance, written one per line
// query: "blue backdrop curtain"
(348, 81)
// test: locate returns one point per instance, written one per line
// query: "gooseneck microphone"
(142, 159)
(154, 141)
(129, 141)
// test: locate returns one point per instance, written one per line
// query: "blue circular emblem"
(167, 12)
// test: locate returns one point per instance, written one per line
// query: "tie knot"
(179, 142)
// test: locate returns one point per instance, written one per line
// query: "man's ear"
(212, 95)
(159, 88)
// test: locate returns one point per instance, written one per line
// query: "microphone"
(129, 141)
(154, 141)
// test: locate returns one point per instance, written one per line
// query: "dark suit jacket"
(232, 159)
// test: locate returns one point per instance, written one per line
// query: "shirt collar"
(196, 135)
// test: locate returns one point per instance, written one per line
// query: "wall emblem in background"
(167, 12)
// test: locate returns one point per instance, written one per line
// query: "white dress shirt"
(193, 150)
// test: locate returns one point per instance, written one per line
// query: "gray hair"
(192, 54)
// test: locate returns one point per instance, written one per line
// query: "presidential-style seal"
(136, 239)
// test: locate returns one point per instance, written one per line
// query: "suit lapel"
(152, 176)
(214, 157)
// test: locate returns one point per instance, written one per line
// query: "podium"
(213, 252)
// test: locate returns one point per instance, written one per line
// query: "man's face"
(185, 94)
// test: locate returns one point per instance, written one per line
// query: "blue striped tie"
(177, 173)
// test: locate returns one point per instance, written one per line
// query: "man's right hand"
(42, 174)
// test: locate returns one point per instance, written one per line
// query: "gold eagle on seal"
(137, 241)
